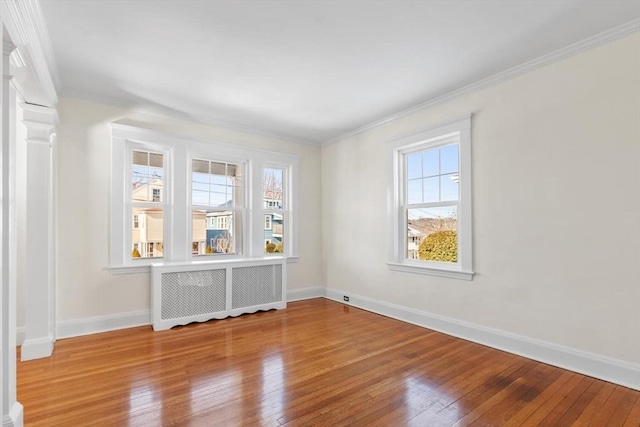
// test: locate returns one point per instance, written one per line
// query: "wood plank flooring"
(317, 363)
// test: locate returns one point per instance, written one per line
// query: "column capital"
(7, 47)
(40, 122)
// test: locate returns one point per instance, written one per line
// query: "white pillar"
(10, 408)
(40, 124)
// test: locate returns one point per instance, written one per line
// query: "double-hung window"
(430, 202)
(181, 200)
(217, 202)
(274, 201)
(145, 207)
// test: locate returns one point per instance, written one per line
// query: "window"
(180, 199)
(217, 190)
(147, 180)
(430, 224)
(273, 197)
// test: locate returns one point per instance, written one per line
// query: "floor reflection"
(272, 386)
(424, 398)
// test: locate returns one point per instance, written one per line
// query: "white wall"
(555, 156)
(85, 287)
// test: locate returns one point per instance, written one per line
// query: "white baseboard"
(305, 293)
(14, 418)
(616, 371)
(36, 348)
(94, 325)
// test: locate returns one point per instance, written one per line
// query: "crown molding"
(27, 28)
(560, 54)
(197, 118)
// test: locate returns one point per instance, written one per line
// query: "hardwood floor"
(316, 363)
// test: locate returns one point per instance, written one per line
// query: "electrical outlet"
(346, 298)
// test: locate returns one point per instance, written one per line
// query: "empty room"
(320, 213)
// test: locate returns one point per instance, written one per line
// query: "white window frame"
(287, 210)
(217, 221)
(398, 149)
(178, 153)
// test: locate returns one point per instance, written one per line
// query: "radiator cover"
(197, 292)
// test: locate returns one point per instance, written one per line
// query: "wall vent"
(197, 292)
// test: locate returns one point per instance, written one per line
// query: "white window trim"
(397, 149)
(288, 209)
(178, 153)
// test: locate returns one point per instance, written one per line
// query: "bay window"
(176, 200)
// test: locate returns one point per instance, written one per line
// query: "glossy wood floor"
(316, 363)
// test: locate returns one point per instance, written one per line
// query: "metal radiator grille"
(256, 285)
(193, 292)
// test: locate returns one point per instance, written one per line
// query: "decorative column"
(10, 408)
(40, 124)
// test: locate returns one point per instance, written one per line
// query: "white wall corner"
(594, 365)
(37, 348)
(15, 417)
(95, 325)
(20, 334)
(305, 293)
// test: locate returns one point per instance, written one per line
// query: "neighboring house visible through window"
(430, 180)
(274, 203)
(147, 178)
(217, 193)
(165, 186)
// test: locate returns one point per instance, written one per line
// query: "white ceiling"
(310, 70)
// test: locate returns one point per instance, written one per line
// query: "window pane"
(430, 163)
(449, 159)
(432, 234)
(439, 172)
(274, 236)
(414, 166)
(200, 167)
(147, 176)
(215, 232)
(147, 237)
(216, 184)
(449, 187)
(431, 189)
(414, 191)
(273, 188)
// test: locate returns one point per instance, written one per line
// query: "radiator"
(197, 292)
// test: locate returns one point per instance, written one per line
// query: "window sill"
(452, 274)
(137, 269)
(133, 269)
